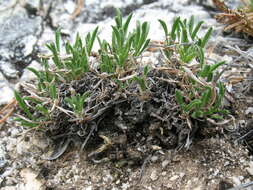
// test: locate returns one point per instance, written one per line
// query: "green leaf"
(197, 114)
(52, 91)
(205, 71)
(22, 104)
(42, 109)
(91, 41)
(191, 25)
(118, 37)
(57, 39)
(206, 37)
(215, 116)
(179, 98)
(206, 96)
(184, 38)
(144, 46)
(165, 28)
(126, 24)
(32, 99)
(193, 105)
(118, 19)
(146, 70)
(55, 58)
(196, 30)
(175, 28)
(215, 66)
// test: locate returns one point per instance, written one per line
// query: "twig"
(222, 122)
(244, 136)
(12, 103)
(143, 167)
(88, 137)
(7, 115)
(62, 148)
(78, 9)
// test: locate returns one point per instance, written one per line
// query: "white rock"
(30, 180)
(70, 6)
(154, 175)
(236, 180)
(29, 41)
(27, 74)
(249, 110)
(173, 178)
(250, 168)
(6, 92)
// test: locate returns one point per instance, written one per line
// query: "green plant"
(35, 112)
(76, 103)
(142, 80)
(202, 95)
(184, 34)
(140, 41)
(124, 45)
(206, 102)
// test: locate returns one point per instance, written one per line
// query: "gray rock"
(32, 4)
(3, 160)
(18, 36)
(154, 176)
(6, 94)
(27, 74)
(250, 168)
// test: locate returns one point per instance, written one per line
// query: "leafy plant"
(202, 96)
(124, 45)
(76, 103)
(184, 34)
(206, 104)
(36, 113)
(77, 63)
(121, 40)
(140, 41)
(142, 80)
(23, 105)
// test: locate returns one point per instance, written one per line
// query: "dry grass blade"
(237, 20)
(78, 9)
(7, 110)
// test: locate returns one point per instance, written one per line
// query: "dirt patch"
(209, 164)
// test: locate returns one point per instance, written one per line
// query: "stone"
(250, 168)
(249, 110)
(236, 180)
(6, 94)
(3, 160)
(165, 163)
(30, 180)
(18, 36)
(32, 4)
(173, 178)
(154, 175)
(27, 74)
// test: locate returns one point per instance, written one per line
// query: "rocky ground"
(215, 162)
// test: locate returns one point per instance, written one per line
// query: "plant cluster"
(75, 94)
(72, 63)
(201, 95)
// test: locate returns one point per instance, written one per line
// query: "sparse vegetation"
(201, 95)
(75, 93)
